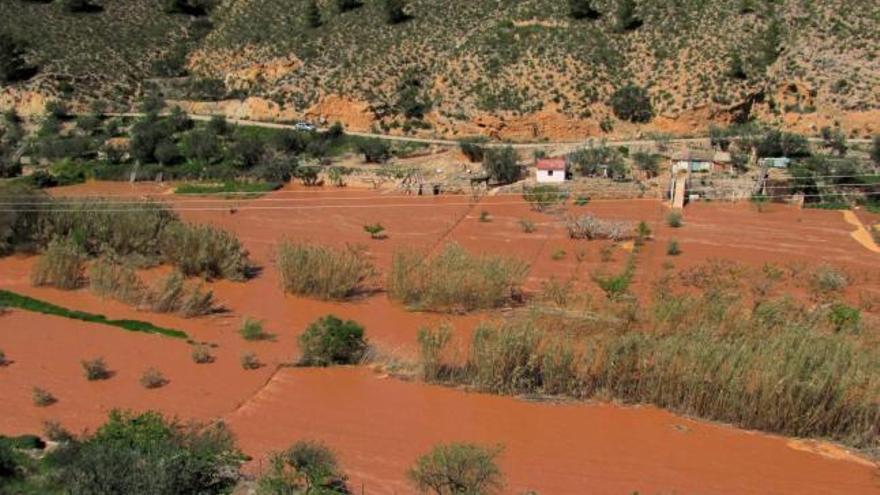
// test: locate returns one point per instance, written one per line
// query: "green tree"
(457, 468)
(395, 11)
(582, 9)
(501, 165)
(313, 14)
(835, 140)
(632, 103)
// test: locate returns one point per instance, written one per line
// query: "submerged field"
(379, 424)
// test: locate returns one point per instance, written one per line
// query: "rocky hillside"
(518, 69)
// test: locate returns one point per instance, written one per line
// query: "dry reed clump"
(171, 295)
(205, 251)
(455, 280)
(116, 281)
(590, 227)
(62, 265)
(778, 367)
(323, 272)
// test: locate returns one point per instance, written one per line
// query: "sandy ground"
(380, 425)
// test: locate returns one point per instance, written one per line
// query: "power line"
(371, 206)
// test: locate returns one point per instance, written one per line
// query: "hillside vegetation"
(450, 64)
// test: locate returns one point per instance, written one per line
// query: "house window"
(550, 173)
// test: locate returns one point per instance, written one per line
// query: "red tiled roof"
(551, 164)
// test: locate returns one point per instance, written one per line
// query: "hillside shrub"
(249, 361)
(633, 104)
(458, 468)
(323, 272)
(472, 149)
(374, 150)
(455, 280)
(331, 341)
(62, 266)
(582, 9)
(673, 249)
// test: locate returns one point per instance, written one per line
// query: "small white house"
(550, 170)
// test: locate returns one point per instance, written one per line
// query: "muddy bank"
(380, 425)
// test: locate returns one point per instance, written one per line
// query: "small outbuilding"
(550, 170)
(775, 162)
(693, 161)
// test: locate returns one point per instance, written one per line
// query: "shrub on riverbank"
(331, 341)
(455, 280)
(323, 272)
(458, 468)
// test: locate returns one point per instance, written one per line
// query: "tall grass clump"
(323, 272)
(171, 295)
(62, 265)
(205, 251)
(455, 280)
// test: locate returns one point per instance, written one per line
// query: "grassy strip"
(255, 188)
(13, 300)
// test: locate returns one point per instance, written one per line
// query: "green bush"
(331, 341)
(306, 467)
(674, 219)
(458, 468)
(61, 266)
(473, 150)
(673, 249)
(844, 318)
(376, 231)
(147, 454)
(455, 280)
(323, 272)
(374, 150)
(253, 330)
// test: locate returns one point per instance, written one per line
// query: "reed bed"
(777, 367)
(455, 280)
(323, 272)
